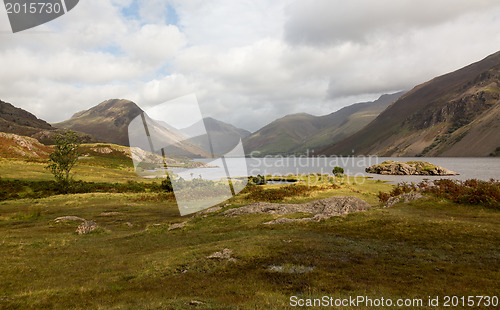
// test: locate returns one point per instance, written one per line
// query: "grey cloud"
(324, 22)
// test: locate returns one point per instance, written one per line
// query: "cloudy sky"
(248, 61)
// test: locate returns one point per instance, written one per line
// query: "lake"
(483, 168)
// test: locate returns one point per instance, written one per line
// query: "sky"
(247, 61)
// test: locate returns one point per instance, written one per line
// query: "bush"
(278, 194)
(338, 171)
(166, 185)
(475, 192)
(258, 180)
(16, 189)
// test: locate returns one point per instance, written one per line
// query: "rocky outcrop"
(177, 225)
(321, 209)
(86, 227)
(224, 254)
(406, 197)
(408, 168)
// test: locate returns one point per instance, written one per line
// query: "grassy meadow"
(428, 247)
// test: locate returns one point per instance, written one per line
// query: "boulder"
(406, 197)
(224, 254)
(177, 225)
(86, 227)
(321, 209)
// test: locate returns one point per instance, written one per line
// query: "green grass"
(425, 248)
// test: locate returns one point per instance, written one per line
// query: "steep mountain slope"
(302, 133)
(20, 122)
(456, 114)
(223, 136)
(109, 122)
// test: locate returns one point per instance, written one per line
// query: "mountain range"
(109, 122)
(303, 133)
(456, 114)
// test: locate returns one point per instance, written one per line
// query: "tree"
(338, 171)
(64, 157)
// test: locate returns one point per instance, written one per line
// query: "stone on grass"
(224, 254)
(110, 213)
(406, 197)
(290, 268)
(177, 225)
(321, 209)
(69, 218)
(86, 227)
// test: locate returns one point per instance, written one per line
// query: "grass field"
(429, 247)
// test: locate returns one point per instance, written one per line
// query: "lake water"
(483, 168)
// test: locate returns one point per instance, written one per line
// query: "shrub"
(278, 194)
(64, 157)
(166, 185)
(472, 191)
(338, 171)
(257, 180)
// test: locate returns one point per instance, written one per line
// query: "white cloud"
(249, 62)
(154, 43)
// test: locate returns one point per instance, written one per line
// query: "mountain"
(109, 122)
(456, 114)
(20, 122)
(303, 133)
(223, 137)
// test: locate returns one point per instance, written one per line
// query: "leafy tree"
(166, 185)
(338, 171)
(64, 157)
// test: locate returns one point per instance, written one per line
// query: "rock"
(196, 303)
(207, 211)
(224, 254)
(69, 218)
(290, 268)
(392, 201)
(408, 168)
(86, 227)
(110, 213)
(406, 197)
(322, 209)
(177, 225)
(129, 224)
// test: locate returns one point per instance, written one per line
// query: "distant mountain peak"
(107, 121)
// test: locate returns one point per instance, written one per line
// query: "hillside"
(456, 114)
(300, 133)
(20, 147)
(223, 137)
(20, 122)
(107, 122)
